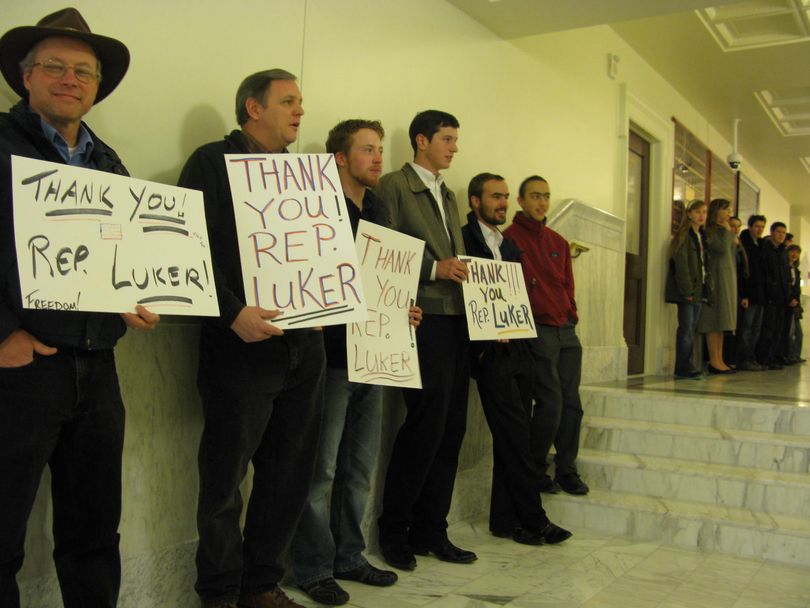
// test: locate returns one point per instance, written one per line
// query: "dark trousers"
(748, 330)
(505, 380)
(64, 411)
(557, 357)
(262, 403)
(422, 471)
(772, 337)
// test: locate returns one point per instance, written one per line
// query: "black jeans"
(422, 470)
(557, 355)
(262, 403)
(505, 380)
(64, 411)
(771, 343)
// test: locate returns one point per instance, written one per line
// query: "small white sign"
(496, 300)
(382, 349)
(295, 238)
(95, 241)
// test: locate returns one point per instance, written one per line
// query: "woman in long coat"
(721, 314)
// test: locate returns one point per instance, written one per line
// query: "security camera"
(734, 160)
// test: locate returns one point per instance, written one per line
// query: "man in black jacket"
(503, 371)
(777, 293)
(60, 403)
(752, 295)
(260, 386)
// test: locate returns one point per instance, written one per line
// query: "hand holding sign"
(251, 324)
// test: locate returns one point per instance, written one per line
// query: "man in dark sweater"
(261, 387)
(329, 542)
(752, 294)
(504, 374)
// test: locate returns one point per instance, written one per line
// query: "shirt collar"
(430, 180)
(84, 144)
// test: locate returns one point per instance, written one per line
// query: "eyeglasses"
(57, 69)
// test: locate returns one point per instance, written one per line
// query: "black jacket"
(777, 273)
(21, 134)
(754, 285)
(334, 336)
(475, 245)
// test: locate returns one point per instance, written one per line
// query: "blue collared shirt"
(83, 153)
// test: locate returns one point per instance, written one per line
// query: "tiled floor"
(590, 571)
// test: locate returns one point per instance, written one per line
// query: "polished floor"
(589, 571)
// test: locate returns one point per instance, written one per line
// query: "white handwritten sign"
(95, 241)
(382, 349)
(496, 300)
(295, 238)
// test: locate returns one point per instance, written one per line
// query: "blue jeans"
(749, 328)
(262, 405)
(688, 316)
(64, 411)
(329, 538)
(796, 340)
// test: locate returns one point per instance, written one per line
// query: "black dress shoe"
(572, 484)
(445, 551)
(718, 372)
(398, 556)
(527, 537)
(549, 486)
(553, 534)
(369, 575)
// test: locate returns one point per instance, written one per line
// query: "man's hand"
(744, 303)
(451, 269)
(793, 303)
(251, 324)
(415, 315)
(143, 320)
(19, 347)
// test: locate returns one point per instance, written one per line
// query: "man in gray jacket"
(422, 470)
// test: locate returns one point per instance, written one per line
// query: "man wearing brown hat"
(60, 403)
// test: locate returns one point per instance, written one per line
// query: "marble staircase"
(722, 474)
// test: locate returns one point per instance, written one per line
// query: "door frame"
(660, 133)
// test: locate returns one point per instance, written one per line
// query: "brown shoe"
(269, 599)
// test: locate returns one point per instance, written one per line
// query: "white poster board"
(295, 238)
(496, 300)
(95, 241)
(382, 349)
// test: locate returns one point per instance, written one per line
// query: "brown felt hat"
(15, 44)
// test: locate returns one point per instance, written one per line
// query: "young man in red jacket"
(556, 351)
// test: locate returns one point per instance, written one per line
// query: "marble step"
(720, 412)
(698, 482)
(712, 528)
(758, 450)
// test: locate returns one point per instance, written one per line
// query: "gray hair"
(255, 87)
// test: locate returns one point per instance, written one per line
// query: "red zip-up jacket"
(546, 262)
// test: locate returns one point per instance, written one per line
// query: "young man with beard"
(422, 470)
(261, 387)
(329, 542)
(60, 403)
(557, 351)
(504, 375)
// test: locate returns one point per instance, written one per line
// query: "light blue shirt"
(83, 152)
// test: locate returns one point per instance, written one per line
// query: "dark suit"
(504, 376)
(422, 471)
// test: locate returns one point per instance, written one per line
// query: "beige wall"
(542, 104)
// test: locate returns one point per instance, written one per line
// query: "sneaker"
(369, 575)
(274, 598)
(572, 484)
(326, 591)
